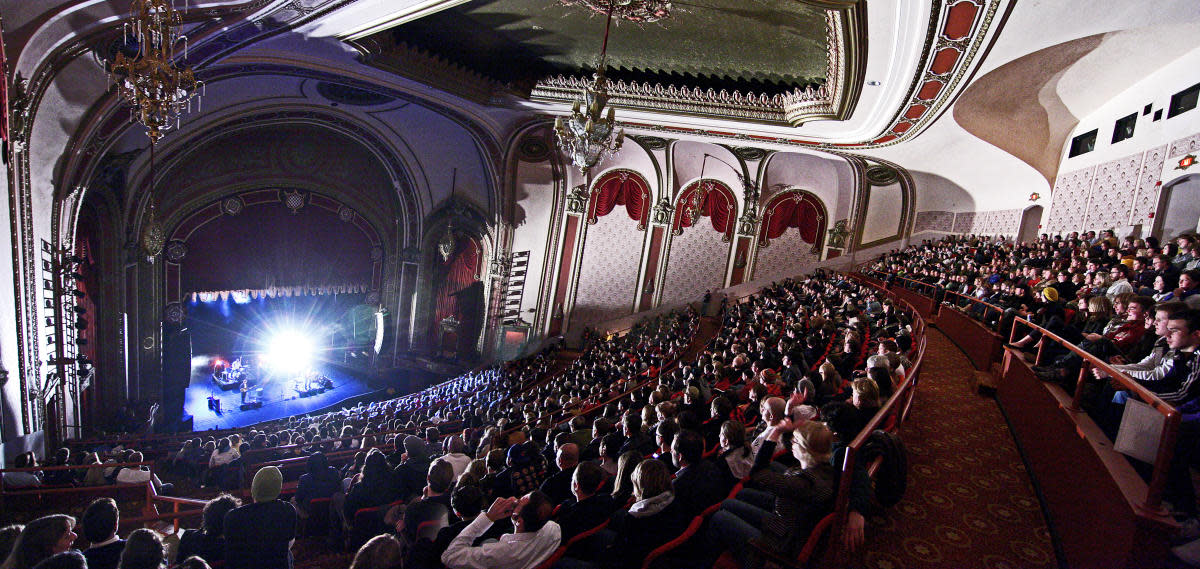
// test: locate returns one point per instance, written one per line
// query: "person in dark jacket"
(208, 542)
(558, 486)
(698, 483)
(654, 519)
(410, 474)
(590, 507)
(260, 535)
(321, 481)
(377, 487)
(100, 521)
(780, 509)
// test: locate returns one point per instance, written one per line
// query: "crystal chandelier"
(150, 81)
(590, 134)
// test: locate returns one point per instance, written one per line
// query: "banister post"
(1079, 383)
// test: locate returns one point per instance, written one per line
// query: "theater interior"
(378, 217)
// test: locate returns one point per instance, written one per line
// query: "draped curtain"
(794, 209)
(719, 205)
(621, 188)
(457, 273)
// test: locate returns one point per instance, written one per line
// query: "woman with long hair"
(623, 482)
(143, 550)
(40, 539)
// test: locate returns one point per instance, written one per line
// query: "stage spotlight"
(290, 351)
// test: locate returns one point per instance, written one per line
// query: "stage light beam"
(290, 351)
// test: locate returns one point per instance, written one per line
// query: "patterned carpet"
(969, 501)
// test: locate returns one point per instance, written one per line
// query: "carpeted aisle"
(969, 502)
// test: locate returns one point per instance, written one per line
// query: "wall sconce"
(1035, 197)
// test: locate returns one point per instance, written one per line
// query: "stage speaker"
(176, 373)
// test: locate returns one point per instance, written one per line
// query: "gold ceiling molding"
(847, 55)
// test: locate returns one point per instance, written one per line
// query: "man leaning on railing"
(1176, 380)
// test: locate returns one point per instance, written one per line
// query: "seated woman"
(780, 509)
(654, 519)
(208, 542)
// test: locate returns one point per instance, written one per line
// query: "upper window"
(1083, 144)
(1124, 128)
(1183, 101)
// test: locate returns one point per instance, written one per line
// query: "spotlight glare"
(290, 351)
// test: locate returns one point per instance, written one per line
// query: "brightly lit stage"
(279, 341)
(279, 397)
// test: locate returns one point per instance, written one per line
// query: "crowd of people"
(639, 434)
(1133, 303)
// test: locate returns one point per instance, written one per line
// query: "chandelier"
(590, 133)
(150, 81)
(631, 10)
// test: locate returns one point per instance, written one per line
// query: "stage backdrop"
(267, 246)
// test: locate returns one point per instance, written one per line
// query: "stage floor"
(278, 397)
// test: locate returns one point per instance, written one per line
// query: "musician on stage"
(245, 388)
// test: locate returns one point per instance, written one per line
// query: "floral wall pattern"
(1149, 181)
(1069, 201)
(964, 221)
(612, 251)
(1113, 190)
(1185, 145)
(997, 222)
(697, 263)
(787, 256)
(934, 221)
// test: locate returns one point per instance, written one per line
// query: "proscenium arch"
(401, 196)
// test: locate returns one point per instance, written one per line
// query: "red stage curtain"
(794, 209)
(719, 205)
(621, 188)
(460, 271)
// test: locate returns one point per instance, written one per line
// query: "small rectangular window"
(1183, 101)
(1146, 109)
(1158, 115)
(1124, 128)
(1083, 143)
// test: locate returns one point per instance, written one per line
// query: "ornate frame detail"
(846, 42)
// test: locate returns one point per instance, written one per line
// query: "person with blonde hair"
(655, 518)
(380, 552)
(779, 509)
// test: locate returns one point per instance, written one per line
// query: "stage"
(279, 398)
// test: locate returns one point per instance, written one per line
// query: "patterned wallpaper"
(696, 263)
(1069, 201)
(1146, 200)
(934, 221)
(1113, 191)
(997, 222)
(964, 221)
(1186, 145)
(787, 256)
(608, 274)
(1115, 194)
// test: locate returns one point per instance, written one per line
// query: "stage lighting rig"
(290, 351)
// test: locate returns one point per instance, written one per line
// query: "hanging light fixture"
(590, 133)
(154, 237)
(158, 89)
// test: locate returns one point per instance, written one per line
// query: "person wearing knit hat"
(260, 535)
(1050, 294)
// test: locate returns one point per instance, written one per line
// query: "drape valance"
(621, 187)
(718, 205)
(794, 208)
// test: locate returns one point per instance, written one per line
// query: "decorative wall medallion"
(232, 205)
(879, 175)
(148, 343)
(176, 251)
(173, 313)
(661, 214)
(533, 148)
(750, 153)
(293, 201)
(838, 234)
(1186, 162)
(376, 253)
(345, 214)
(577, 200)
(372, 297)
(651, 142)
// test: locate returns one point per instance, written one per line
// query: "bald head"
(568, 456)
(773, 409)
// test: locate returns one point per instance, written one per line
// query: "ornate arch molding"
(625, 186)
(232, 204)
(802, 199)
(403, 198)
(461, 217)
(680, 220)
(868, 175)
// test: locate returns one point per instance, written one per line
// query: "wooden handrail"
(973, 300)
(79, 467)
(1172, 418)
